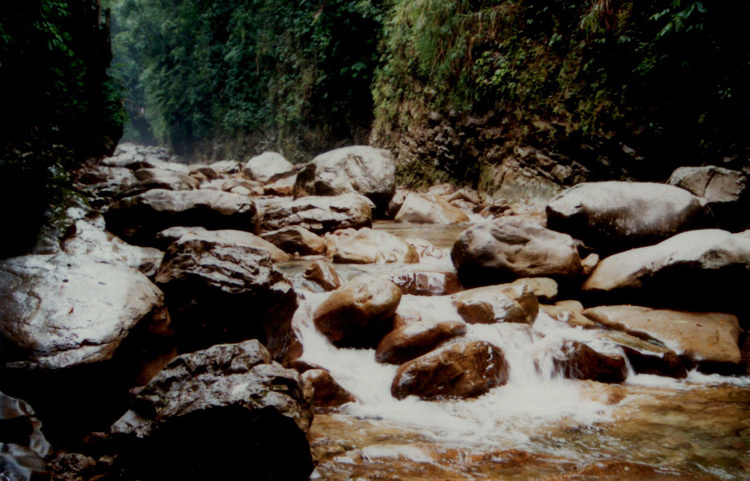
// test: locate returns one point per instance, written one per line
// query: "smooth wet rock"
(88, 329)
(216, 413)
(429, 209)
(709, 340)
(221, 292)
(492, 304)
(416, 339)
(103, 181)
(297, 240)
(726, 191)
(139, 218)
(427, 283)
(512, 247)
(646, 357)
(224, 236)
(315, 213)
(268, 167)
(544, 288)
(576, 360)
(324, 275)
(327, 392)
(84, 238)
(368, 246)
(360, 313)
(461, 370)
(702, 269)
(360, 169)
(616, 216)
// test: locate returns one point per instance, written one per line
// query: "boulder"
(360, 169)
(136, 157)
(360, 313)
(221, 292)
(23, 447)
(281, 187)
(416, 339)
(576, 360)
(492, 304)
(316, 214)
(86, 239)
(646, 357)
(615, 216)
(544, 288)
(394, 205)
(224, 236)
(327, 392)
(160, 179)
(139, 218)
(368, 246)
(268, 167)
(214, 414)
(463, 369)
(322, 274)
(297, 240)
(726, 191)
(511, 247)
(569, 312)
(429, 209)
(700, 270)
(71, 325)
(710, 340)
(235, 185)
(427, 283)
(228, 168)
(102, 181)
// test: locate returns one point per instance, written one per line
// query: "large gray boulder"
(139, 218)
(706, 269)
(429, 209)
(362, 169)
(222, 413)
(615, 216)
(71, 325)
(268, 167)
(726, 191)
(512, 247)
(220, 292)
(316, 214)
(709, 340)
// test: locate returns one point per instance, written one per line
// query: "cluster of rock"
(152, 342)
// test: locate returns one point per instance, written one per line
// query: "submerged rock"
(615, 216)
(359, 169)
(463, 369)
(139, 218)
(709, 340)
(503, 303)
(316, 214)
(359, 313)
(369, 246)
(512, 247)
(222, 292)
(219, 413)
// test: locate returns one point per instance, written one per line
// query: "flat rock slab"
(315, 213)
(702, 338)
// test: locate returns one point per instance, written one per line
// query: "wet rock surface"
(492, 304)
(316, 214)
(413, 340)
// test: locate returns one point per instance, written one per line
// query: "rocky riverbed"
(263, 320)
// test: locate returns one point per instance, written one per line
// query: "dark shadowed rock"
(87, 329)
(726, 191)
(697, 270)
(296, 239)
(359, 313)
(362, 169)
(429, 209)
(268, 167)
(215, 414)
(646, 357)
(159, 179)
(327, 392)
(502, 303)
(461, 370)
(139, 218)
(219, 292)
(512, 247)
(316, 214)
(416, 339)
(615, 216)
(576, 360)
(368, 246)
(709, 340)
(23, 447)
(224, 236)
(427, 283)
(323, 274)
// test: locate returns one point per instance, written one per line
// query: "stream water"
(537, 426)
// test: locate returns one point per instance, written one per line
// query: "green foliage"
(236, 71)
